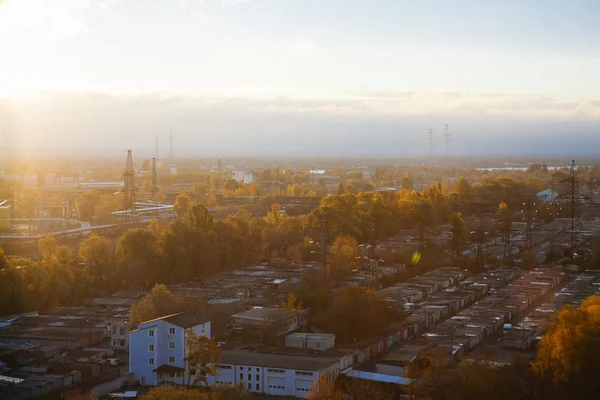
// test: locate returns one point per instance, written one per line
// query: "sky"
(301, 76)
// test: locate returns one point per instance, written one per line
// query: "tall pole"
(171, 137)
(446, 136)
(155, 188)
(129, 187)
(430, 144)
(323, 244)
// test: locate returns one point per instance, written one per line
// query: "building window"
(151, 332)
(257, 377)
(171, 345)
(249, 386)
(171, 360)
(304, 373)
(276, 371)
(249, 377)
(151, 361)
(241, 376)
(150, 347)
(171, 331)
(257, 369)
(114, 330)
(241, 368)
(257, 387)
(121, 331)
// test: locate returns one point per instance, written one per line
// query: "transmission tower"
(573, 206)
(171, 138)
(129, 187)
(430, 133)
(529, 222)
(446, 136)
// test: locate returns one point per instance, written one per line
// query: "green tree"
(202, 355)
(158, 303)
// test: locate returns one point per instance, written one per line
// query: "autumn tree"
(324, 389)
(182, 203)
(138, 251)
(528, 259)
(158, 303)
(86, 205)
(458, 231)
(356, 313)
(100, 256)
(202, 354)
(569, 351)
(342, 259)
(168, 392)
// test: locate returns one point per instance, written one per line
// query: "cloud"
(304, 48)
(344, 125)
(235, 2)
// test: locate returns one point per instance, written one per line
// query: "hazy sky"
(226, 73)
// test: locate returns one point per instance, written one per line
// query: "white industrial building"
(274, 374)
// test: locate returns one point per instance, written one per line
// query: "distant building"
(547, 195)
(277, 319)
(313, 341)
(243, 175)
(157, 348)
(172, 169)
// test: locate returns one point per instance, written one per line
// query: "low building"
(314, 341)
(279, 320)
(157, 347)
(274, 374)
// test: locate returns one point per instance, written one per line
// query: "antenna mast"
(446, 136)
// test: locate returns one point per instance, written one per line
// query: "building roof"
(165, 369)
(184, 319)
(370, 376)
(238, 357)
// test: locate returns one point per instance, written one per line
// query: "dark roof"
(237, 357)
(184, 319)
(168, 368)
